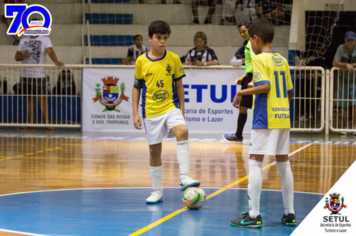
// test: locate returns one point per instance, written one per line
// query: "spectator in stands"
(345, 59)
(271, 10)
(227, 15)
(32, 50)
(174, 2)
(135, 51)
(210, 3)
(247, 14)
(9, 20)
(201, 55)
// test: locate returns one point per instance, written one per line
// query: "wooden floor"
(30, 164)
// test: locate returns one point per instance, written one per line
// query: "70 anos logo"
(21, 14)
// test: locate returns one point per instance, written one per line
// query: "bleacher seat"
(118, 19)
(108, 1)
(105, 61)
(109, 40)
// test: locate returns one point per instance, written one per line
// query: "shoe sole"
(289, 224)
(246, 226)
(231, 141)
(195, 184)
(160, 200)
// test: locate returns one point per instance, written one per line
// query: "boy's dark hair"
(158, 27)
(244, 23)
(136, 36)
(263, 29)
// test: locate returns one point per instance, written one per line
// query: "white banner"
(335, 213)
(208, 98)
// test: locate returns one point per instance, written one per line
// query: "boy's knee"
(154, 150)
(182, 132)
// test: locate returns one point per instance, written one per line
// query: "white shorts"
(269, 142)
(160, 126)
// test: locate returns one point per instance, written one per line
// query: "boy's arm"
(263, 88)
(135, 99)
(180, 93)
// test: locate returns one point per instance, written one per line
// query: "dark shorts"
(246, 99)
(34, 86)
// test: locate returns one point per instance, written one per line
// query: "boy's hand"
(237, 100)
(137, 122)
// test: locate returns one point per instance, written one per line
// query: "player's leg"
(285, 170)
(245, 103)
(155, 130)
(252, 219)
(262, 143)
(176, 124)
(156, 173)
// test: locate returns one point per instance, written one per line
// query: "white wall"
(297, 33)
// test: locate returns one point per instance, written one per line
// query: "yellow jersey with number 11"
(271, 110)
(158, 79)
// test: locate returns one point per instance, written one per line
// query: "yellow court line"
(160, 221)
(48, 149)
(39, 151)
(7, 158)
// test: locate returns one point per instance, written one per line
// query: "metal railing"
(307, 108)
(59, 95)
(342, 101)
(45, 96)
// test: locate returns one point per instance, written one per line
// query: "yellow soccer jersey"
(159, 76)
(271, 110)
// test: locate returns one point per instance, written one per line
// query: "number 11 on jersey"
(278, 90)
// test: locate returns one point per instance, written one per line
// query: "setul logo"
(160, 96)
(335, 205)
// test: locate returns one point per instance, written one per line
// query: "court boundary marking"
(201, 140)
(154, 224)
(63, 190)
(77, 189)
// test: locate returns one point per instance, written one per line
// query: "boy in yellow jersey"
(159, 74)
(271, 123)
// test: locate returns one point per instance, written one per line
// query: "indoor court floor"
(72, 183)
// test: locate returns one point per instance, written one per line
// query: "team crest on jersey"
(335, 204)
(110, 97)
(168, 68)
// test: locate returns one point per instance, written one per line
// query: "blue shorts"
(347, 90)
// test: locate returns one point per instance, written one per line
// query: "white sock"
(287, 186)
(156, 177)
(254, 187)
(183, 157)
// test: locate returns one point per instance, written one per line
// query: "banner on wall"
(107, 100)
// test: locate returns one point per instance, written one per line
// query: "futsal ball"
(194, 198)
